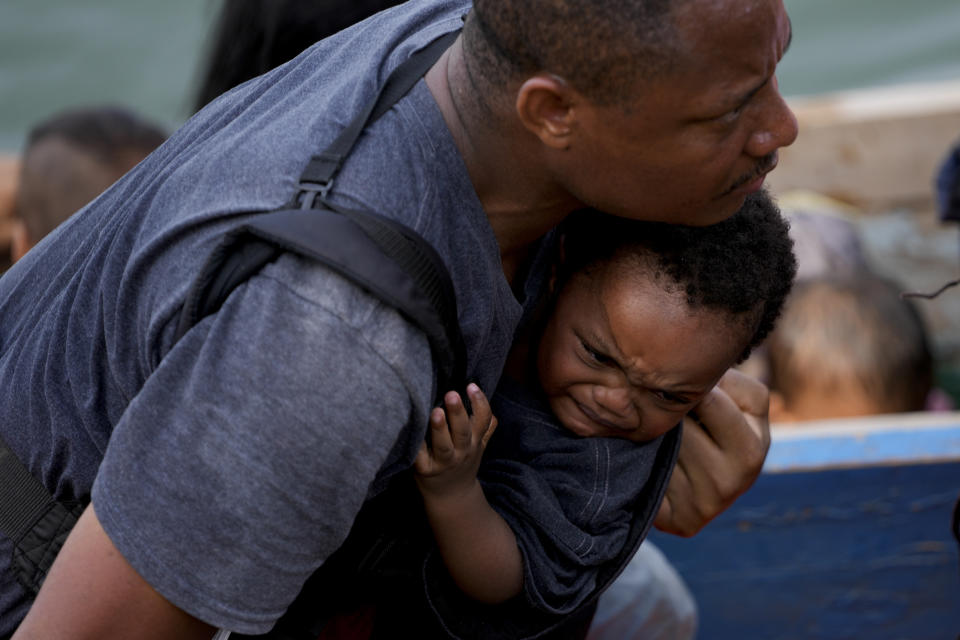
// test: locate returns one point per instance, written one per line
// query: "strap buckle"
(309, 191)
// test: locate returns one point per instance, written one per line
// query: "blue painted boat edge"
(895, 439)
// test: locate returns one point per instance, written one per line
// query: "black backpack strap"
(388, 260)
(406, 272)
(317, 177)
(35, 522)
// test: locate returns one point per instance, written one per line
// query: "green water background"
(145, 54)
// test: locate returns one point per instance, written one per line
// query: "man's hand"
(92, 592)
(720, 457)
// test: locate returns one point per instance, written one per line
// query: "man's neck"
(518, 196)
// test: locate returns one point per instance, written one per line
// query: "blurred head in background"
(848, 346)
(71, 158)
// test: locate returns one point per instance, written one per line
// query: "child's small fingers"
(459, 421)
(454, 405)
(481, 406)
(440, 442)
(483, 418)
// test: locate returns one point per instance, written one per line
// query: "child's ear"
(778, 408)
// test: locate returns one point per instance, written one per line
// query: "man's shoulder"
(339, 299)
(251, 144)
(243, 153)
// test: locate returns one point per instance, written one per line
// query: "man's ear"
(19, 240)
(545, 106)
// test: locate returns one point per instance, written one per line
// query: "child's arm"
(477, 546)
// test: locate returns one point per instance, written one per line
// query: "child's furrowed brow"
(598, 343)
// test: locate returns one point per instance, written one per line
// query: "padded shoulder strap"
(388, 260)
(317, 176)
(37, 524)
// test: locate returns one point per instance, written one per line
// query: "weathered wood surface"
(845, 535)
(875, 148)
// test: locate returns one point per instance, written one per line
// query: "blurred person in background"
(848, 346)
(68, 160)
(824, 242)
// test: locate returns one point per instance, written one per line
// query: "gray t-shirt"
(228, 466)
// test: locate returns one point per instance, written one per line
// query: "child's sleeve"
(566, 522)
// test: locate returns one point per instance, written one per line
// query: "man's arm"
(125, 606)
(234, 471)
(720, 457)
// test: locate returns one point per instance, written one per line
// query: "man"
(234, 461)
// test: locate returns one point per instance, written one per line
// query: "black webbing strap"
(35, 522)
(26, 497)
(416, 283)
(419, 260)
(318, 175)
(388, 260)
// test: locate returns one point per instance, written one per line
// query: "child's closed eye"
(594, 355)
(670, 398)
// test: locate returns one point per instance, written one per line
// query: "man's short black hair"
(743, 266)
(601, 47)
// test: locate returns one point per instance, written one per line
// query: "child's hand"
(448, 467)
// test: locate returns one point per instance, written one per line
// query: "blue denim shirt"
(579, 507)
(571, 501)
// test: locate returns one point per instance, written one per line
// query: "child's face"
(620, 357)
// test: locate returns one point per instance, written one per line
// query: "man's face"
(694, 142)
(625, 359)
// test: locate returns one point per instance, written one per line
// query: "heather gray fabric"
(234, 462)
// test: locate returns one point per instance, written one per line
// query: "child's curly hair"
(743, 265)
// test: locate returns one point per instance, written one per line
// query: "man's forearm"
(92, 593)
